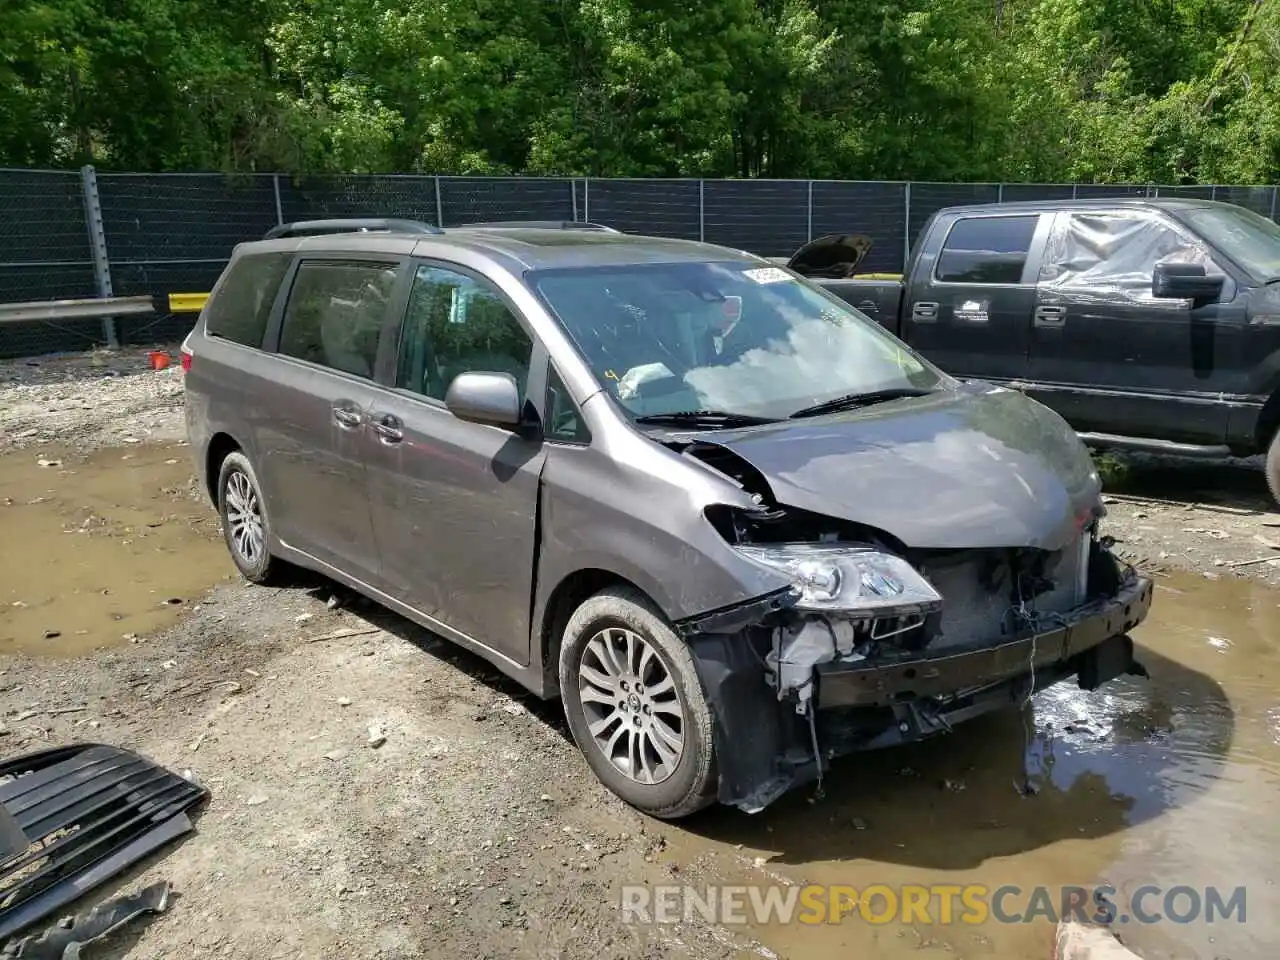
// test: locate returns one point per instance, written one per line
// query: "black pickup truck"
(1147, 324)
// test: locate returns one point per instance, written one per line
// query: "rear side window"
(335, 313)
(986, 250)
(240, 310)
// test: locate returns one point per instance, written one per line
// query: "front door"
(312, 446)
(455, 503)
(971, 313)
(1109, 356)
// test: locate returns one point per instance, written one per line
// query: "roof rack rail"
(313, 228)
(542, 225)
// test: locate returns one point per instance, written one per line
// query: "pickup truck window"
(1114, 253)
(1250, 240)
(986, 250)
(735, 337)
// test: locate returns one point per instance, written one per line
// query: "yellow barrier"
(187, 302)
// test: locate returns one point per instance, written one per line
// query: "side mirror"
(1184, 281)
(483, 397)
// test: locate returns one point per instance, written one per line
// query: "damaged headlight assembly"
(851, 597)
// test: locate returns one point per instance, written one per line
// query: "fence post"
(573, 196)
(439, 203)
(906, 227)
(1213, 192)
(275, 186)
(1273, 203)
(98, 247)
(810, 210)
(586, 199)
(1000, 192)
(702, 208)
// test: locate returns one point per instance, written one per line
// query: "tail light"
(186, 358)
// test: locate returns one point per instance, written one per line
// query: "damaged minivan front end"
(879, 642)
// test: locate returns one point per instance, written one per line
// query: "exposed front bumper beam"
(766, 748)
(882, 682)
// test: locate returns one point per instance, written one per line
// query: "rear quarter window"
(241, 307)
(986, 250)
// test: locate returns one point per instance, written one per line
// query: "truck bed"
(878, 298)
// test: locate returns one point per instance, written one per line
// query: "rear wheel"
(1273, 467)
(244, 519)
(635, 705)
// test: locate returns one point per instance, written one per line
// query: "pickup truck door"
(968, 304)
(1109, 356)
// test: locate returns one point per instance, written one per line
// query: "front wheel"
(635, 705)
(1273, 467)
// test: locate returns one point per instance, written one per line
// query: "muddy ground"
(476, 830)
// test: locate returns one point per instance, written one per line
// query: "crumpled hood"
(976, 467)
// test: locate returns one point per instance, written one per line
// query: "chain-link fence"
(74, 234)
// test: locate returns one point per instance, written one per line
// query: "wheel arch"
(564, 599)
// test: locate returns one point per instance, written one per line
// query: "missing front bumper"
(764, 748)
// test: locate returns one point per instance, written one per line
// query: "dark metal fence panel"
(767, 217)
(1019, 192)
(44, 255)
(316, 198)
(44, 247)
(928, 198)
(876, 209)
(1098, 191)
(172, 233)
(665, 208)
(477, 199)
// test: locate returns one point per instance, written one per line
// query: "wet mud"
(98, 550)
(1168, 781)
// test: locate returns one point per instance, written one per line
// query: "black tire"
(1273, 467)
(692, 784)
(261, 567)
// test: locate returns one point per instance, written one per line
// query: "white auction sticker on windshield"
(767, 275)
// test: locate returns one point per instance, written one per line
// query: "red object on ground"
(159, 359)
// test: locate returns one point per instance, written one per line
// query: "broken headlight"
(849, 578)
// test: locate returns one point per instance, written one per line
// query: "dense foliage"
(1048, 90)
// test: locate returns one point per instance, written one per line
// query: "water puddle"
(1168, 782)
(96, 549)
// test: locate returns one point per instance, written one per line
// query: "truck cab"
(1147, 324)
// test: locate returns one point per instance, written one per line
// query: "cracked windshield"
(726, 337)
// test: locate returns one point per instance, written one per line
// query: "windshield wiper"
(851, 401)
(704, 418)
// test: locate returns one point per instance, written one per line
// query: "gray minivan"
(737, 527)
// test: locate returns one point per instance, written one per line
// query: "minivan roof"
(529, 248)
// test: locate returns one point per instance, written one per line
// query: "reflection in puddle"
(100, 548)
(1166, 781)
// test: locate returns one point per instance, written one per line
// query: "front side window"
(335, 314)
(735, 337)
(986, 250)
(1114, 254)
(239, 311)
(458, 324)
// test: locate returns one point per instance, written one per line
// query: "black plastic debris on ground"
(87, 812)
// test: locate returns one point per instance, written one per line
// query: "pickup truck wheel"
(244, 519)
(1273, 467)
(635, 705)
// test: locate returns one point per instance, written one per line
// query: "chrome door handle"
(388, 428)
(924, 312)
(1050, 315)
(346, 417)
(869, 306)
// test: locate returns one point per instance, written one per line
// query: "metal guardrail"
(91, 308)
